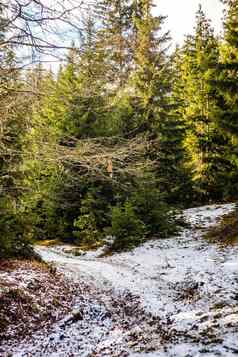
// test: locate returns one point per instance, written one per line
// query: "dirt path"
(174, 297)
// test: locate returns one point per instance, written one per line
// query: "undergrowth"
(226, 231)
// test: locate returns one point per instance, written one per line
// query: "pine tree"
(41, 169)
(226, 83)
(14, 112)
(151, 75)
(156, 108)
(228, 72)
(75, 107)
(174, 179)
(205, 145)
(92, 82)
(114, 39)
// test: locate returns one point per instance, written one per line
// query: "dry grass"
(48, 242)
(226, 231)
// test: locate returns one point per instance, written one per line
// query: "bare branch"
(38, 24)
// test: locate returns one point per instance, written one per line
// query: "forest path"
(173, 297)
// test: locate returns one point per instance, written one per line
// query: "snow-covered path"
(187, 284)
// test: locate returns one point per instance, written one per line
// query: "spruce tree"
(156, 108)
(226, 84)
(205, 145)
(75, 107)
(114, 39)
(228, 72)
(151, 75)
(14, 123)
(175, 179)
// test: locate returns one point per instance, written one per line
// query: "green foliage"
(15, 234)
(115, 40)
(155, 113)
(151, 66)
(14, 111)
(87, 232)
(121, 135)
(128, 230)
(225, 81)
(207, 149)
(142, 216)
(150, 206)
(95, 213)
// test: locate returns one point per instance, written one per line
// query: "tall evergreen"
(226, 83)
(174, 177)
(153, 80)
(15, 109)
(122, 133)
(75, 107)
(228, 72)
(150, 77)
(205, 145)
(114, 39)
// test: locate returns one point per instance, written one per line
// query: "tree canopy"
(124, 134)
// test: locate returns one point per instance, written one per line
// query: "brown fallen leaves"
(32, 295)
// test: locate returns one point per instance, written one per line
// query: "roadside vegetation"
(226, 231)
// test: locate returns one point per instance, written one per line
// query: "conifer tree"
(140, 100)
(175, 179)
(156, 108)
(92, 82)
(228, 69)
(75, 107)
(226, 83)
(14, 113)
(114, 39)
(151, 75)
(205, 145)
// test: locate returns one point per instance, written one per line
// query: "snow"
(31, 297)
(189, 284)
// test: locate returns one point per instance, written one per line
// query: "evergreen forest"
(120, 137)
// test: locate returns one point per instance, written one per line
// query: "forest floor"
(33, 296)
(173, 297)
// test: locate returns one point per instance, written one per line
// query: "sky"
(181, 15)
